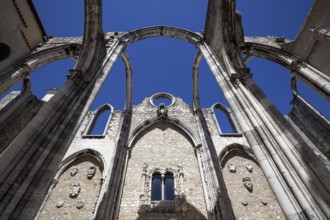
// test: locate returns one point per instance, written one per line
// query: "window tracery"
(162, 190)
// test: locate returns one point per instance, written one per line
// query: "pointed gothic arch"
(247, 184)
(78, 183)
(235, 147)
(71, 158)
(273, 49)
(95, 115)
(41, 57)
(229, 116)
(141, 128)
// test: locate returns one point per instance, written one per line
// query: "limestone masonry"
(155, 160)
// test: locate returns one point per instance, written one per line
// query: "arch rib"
(167, 31)
(171, 120)
(11, 76)
(268, 48)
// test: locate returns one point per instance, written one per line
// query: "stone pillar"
(32, 159)
(292, 146)
(16, 114)
(260, 141)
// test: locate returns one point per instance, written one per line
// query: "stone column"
(260, 141)
(32, 158)
(289, 144)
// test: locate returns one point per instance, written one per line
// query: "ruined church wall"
(162, 147)
(233, 149)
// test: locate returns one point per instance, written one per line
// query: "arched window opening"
(169, 186)
(156, 189)
(100, 121)
(223, 120)
(162, 187)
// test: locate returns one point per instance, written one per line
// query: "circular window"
(4, 51)
(165, 98)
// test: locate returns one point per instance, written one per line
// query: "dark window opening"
(4, 51)
(169, 187)
(162, 187)
(156, 190)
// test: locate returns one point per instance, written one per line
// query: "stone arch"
(162, 145)
(273, 49)
(141, 128)
(227, 112)
(36, 60)
(156, 31)
(232, 148)
(76, 187)
(95, 117)
(247, 186)
(49, 54)
(69, 159)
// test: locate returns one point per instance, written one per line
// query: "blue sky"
(165, 64)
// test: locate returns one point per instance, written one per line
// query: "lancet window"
(223, 119)
(99, 121)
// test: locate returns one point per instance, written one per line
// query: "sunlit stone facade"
(53, 165)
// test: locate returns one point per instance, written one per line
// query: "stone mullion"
(254, 133)
(163, 187)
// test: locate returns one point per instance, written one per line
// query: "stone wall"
(316, 127)
(105, 145)
(256, 203)
(163, 147)
(16, 118)
(63, 203)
